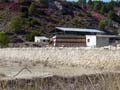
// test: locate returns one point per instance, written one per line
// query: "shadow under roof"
(79, 30)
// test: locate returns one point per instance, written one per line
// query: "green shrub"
(16, 24)
(102, 25)
(45, 2)
(34, 22)
(24, 11)
(3, 39)
(40, 12)
(103, 9)
(30, 36)
(32, 9)
(90, 2)
(111, 14)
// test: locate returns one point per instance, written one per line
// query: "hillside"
(35, 18)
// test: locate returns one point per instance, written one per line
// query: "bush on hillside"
(111, 15)
(32, 22)
(102, 25)
(97, 5)
(30, 36)
(32, 9)
(103, 9)
(45, 2)
(24, 11)
(90, 2)
(16, 24)
(41, 12)
(3, 39)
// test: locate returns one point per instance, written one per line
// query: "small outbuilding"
(41, 40)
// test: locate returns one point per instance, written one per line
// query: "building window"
(88, 40)
(44, 40)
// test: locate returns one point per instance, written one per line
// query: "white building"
(78, 37)
(99, 40)
(72, 37)
(41, 40)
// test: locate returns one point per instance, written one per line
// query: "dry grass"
(74, 68)
(2, 75)
(75, 57)
(105, 81)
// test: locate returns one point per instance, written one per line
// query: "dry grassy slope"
(105, 81)
(60, 62)
(86, 58)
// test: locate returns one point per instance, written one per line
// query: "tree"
(108, 22)
(30, 36)
(82, 2)
(103, 9)
(97, 5)
(45, 2)
(111, 15)
(90, 2)
(111, 5)
(102, 25)
(3, 39)
(16, 24)
(34, 22)
(32, 9)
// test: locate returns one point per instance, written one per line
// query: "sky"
(96, 0)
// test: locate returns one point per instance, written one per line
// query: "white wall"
(96, 41)
(36, 39)
(41, 40)
(92, 40)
